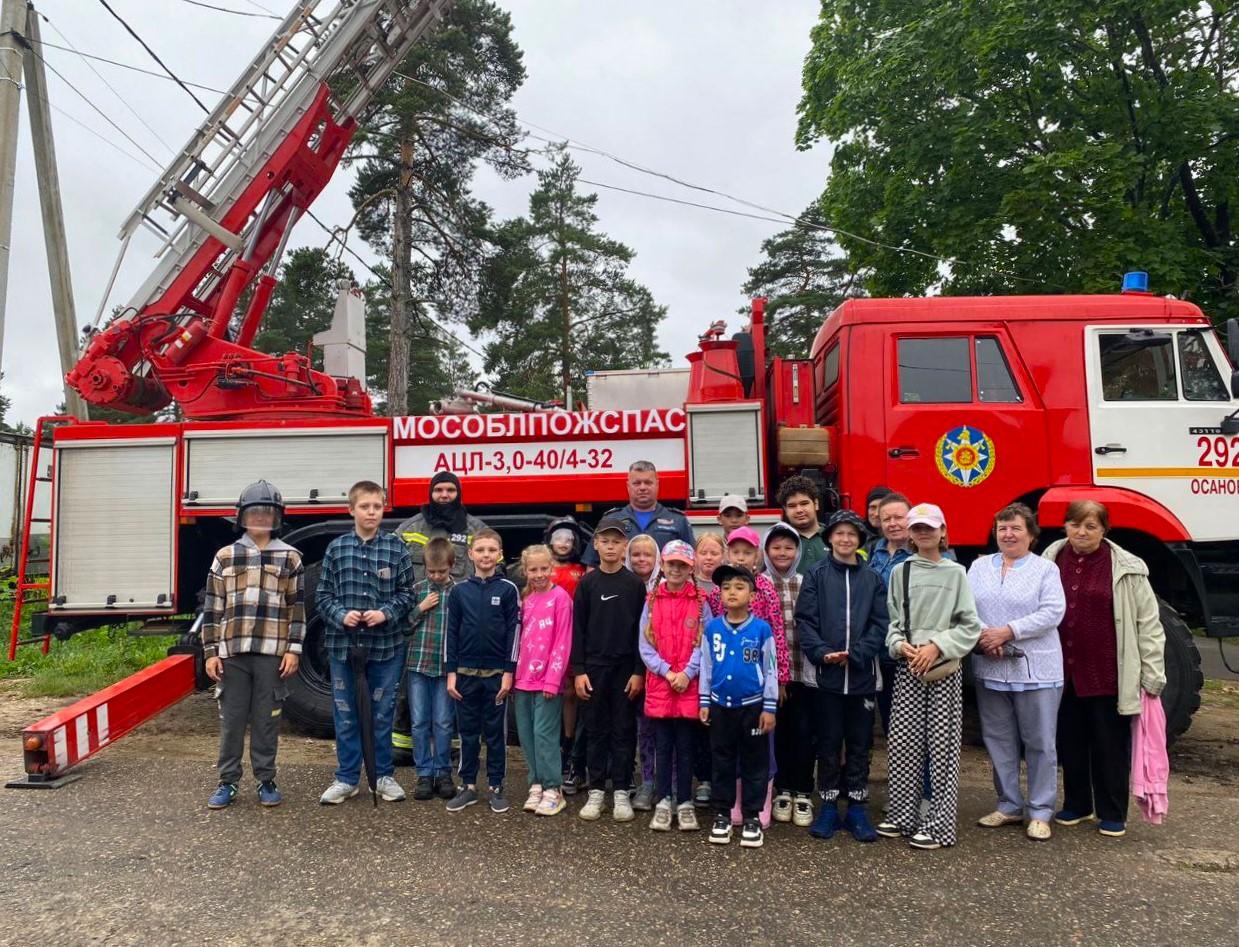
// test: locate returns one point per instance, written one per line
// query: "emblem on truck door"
(965, 456)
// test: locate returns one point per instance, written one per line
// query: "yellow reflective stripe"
(402, 741)
(420, 538)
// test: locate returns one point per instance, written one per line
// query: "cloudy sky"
(704, 90)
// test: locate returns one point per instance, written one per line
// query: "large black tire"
(1184, 679)
(308, 707)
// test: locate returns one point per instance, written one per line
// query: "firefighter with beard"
(443, 516)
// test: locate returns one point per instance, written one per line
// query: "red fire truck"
(971, 403)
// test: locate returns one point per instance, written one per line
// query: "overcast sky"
(704, 90)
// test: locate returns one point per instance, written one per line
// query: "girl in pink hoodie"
(541, 664)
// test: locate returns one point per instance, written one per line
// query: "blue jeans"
(382, 677)
(432, 713)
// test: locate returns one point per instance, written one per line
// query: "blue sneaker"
(269, 794)
(223, 796)
(827, 821)
(857, 822)
(1112, 829)
(1071, 817)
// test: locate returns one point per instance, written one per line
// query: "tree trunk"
(401, 269)
(566, 314)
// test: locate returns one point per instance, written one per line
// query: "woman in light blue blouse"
(1018, 667)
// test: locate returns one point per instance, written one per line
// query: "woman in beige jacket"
(1113, 647)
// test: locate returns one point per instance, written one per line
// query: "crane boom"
(222, 212)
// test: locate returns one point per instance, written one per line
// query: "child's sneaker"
(827, 821)
(888, 829)
(703, 794)
(223, 797)
(336, 793)
(783, 807)
(592, 809)
(445, 789)
(802, 811)
(269, 794)
(643, 798)
(686, 816)
(425, 789)
(662, 816)
(751, 835)
(621, 808)
(857, 822)
(923, 841)
(498, 804)
(467, 796)
(551, 803)
(389, 790)
(534, 797)
(720, 832)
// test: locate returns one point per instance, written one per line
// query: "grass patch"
(86, 663)
(1221, 694)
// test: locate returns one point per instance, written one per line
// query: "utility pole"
(53, 214)
(12, 26)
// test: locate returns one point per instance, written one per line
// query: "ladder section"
(33, 585)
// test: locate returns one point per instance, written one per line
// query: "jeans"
(478, 717)
(431, 711)
(674, 738)
(382, 678)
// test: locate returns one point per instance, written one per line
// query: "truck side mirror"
(1232, 344)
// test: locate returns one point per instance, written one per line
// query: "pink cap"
(677, 550)
(927, 514)
(744, 534)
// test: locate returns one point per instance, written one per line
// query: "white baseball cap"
(733, 501)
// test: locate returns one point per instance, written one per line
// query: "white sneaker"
(534, 797)
(336, 793)
(802, 811)
(593, 805)
(389, 790)
(783, 807)
(686, 816)
(621, 808)
(661, 822)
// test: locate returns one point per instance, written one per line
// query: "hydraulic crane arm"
(223, 210)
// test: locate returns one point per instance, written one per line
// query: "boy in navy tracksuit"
(480, 648)
(738, 695)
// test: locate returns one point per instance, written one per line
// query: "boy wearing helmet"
(253, 623)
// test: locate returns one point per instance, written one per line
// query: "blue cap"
(1136, 282)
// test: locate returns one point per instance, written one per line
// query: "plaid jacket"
(788, 590)
(255, 600)
(427, 630)
(364, 575)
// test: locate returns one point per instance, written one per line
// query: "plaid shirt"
(364, 575)
(788, 590)
(255, 600)
(427, 630)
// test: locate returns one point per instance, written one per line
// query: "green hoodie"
(943, 610)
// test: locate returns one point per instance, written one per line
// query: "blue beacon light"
(1136, 282)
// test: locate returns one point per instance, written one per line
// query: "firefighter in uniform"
(445, 516)
(644, 514)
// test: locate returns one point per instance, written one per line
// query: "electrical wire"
(211, 6)
(102, 114)
(130, 30)
(111, 88)
(107, 141)
(125, 65)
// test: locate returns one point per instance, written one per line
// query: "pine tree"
(804, 276)
(417, 154)
(303, 301)
(556, 298)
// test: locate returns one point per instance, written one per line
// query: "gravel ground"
(130, 854)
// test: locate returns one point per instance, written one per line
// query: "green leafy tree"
(417, 152)
(303, 302)
(556, 298)
(1043, 146)
(804, 276)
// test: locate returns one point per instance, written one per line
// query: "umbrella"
(357, 657)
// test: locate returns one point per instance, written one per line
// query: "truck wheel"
(308, 706)
(1184, 680)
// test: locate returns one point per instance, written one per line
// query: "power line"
(102, 114)
(123, 100)
(211, 6)
(107, 141)
(125, 65)
(129, 29)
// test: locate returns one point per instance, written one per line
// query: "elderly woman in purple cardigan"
(1018, 668)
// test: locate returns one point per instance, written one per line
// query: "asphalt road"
(129, 854)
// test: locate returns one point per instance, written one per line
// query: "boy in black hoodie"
(841, 621)
(610, 674)
(482, 641)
